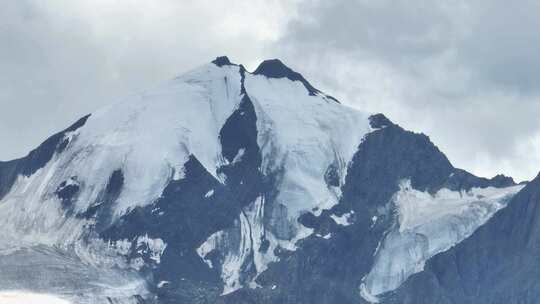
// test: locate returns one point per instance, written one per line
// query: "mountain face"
(225, 186)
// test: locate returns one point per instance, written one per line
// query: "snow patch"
(163, 284)
(326, 236)
(364, 293)
(239, 155)
(153, 247)
(179, 173)
(343, 220)
(209, 193)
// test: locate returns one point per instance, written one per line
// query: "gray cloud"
(464, 72)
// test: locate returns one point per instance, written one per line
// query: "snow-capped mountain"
(225, 186)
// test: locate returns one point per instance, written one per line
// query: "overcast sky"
(466, 73)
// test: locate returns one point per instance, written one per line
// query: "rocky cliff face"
(224, 186)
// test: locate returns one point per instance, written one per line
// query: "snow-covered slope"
(147, 136)
(304, 136)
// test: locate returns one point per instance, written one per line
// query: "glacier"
(49, 272)
(428, 224)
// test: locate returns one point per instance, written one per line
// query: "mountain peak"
(379, 121)
(221, 61)
(275, 68)
(501, 180)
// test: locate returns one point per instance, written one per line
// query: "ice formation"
(428, 224)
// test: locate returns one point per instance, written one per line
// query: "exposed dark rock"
(463, 180)
(102, 209)
(221, 61)
(274, 68)
(67, 192)
(379, 121)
